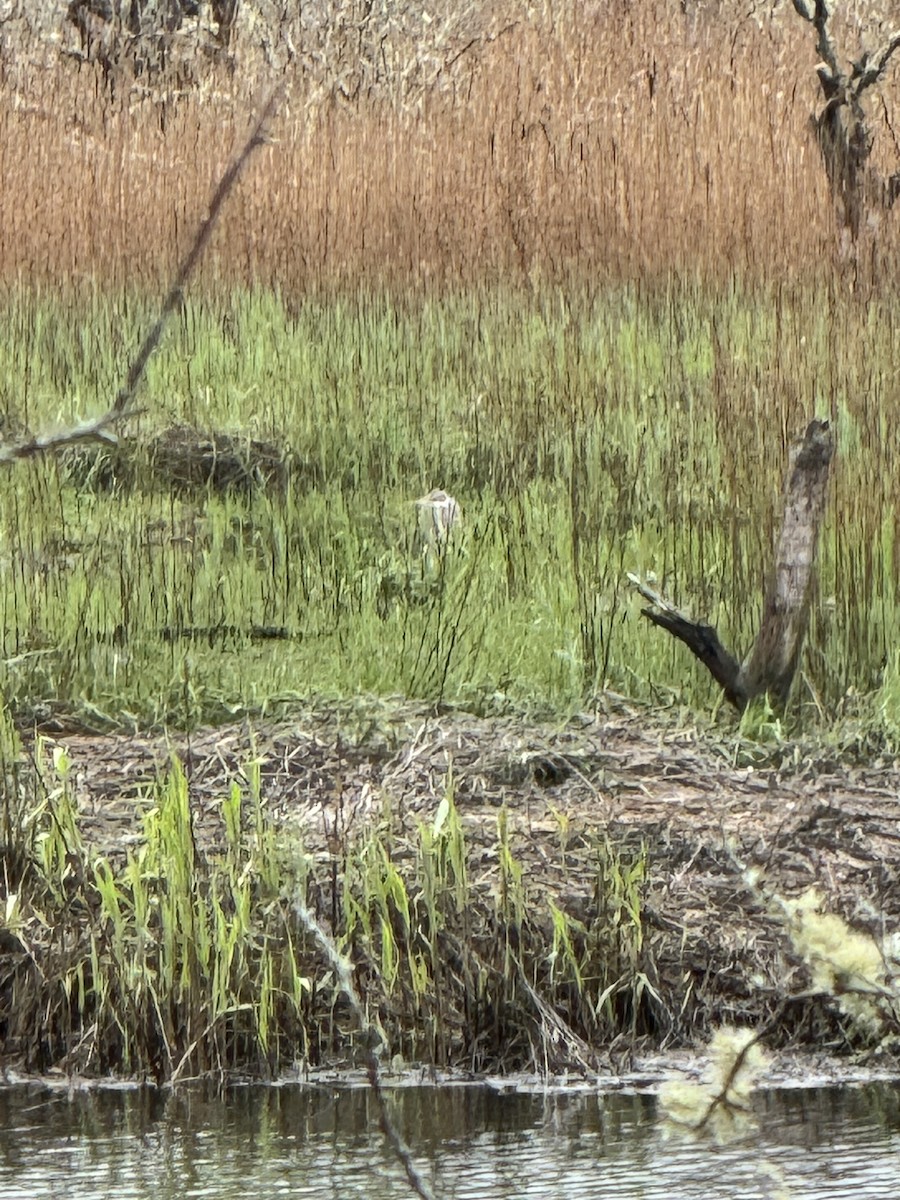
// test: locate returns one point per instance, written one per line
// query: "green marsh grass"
(632, 436)
(180, 962)
(590, 290)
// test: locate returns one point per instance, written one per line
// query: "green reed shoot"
(187, 960)
(562, 958)
(185, 956)
(512, 894)
(57, 838)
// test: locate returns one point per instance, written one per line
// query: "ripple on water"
(469, 1141)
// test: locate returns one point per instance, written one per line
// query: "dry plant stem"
(99, 429)
(371, 1039)
(772, 662)
(552, 1025)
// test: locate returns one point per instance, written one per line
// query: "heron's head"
(435, 498)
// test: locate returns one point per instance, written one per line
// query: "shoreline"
(784, 1072)
(609, 843)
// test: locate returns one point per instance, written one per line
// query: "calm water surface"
(470, 1142)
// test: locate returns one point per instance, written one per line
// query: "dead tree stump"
(770, 666)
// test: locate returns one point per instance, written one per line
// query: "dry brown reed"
(595, 140)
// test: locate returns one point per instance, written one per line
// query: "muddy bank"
(646, 1075)
(686, 813)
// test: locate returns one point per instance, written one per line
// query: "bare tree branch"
(372, 1039)
(871, 67)
(702, 640)
(97, 430)
(825, 47)
(176, 292)
(100, 428)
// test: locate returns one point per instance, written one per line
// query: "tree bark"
(770, 666)
(772, 663)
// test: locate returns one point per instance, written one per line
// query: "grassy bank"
(190, 952)
(508, 896)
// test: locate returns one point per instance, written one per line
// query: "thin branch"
(830, 75)
(871, 67)
(176, 292)
(724, 1097)
(825, 46)
(100, 428)
(96, 430)
(371, 1040)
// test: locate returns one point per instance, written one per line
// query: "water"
(469, 1141)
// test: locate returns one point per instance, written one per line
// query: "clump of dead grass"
(183, 460)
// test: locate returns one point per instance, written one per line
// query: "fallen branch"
(100, 428)
(96, 430)
(770, 666)
(372, 1041)
(702, 640)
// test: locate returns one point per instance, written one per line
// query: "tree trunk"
(845, 146)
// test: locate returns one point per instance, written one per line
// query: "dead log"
(770, 666)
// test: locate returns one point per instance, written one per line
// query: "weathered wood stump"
(770, 666)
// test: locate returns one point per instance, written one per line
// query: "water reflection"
(470, 1142)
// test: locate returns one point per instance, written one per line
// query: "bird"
(439, 515)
